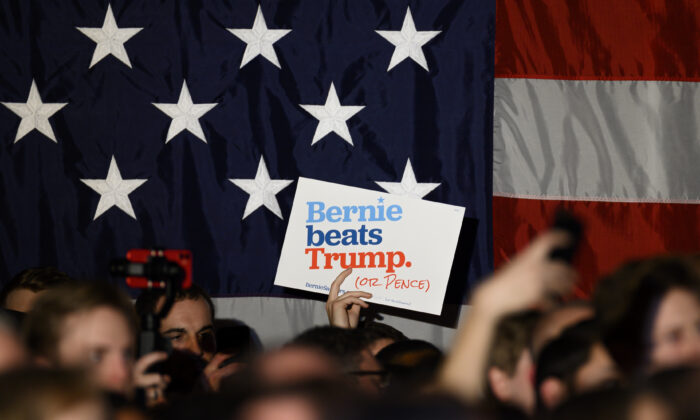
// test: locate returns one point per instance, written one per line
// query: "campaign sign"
(400, 248)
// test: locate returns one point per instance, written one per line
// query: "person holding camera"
(188, 328)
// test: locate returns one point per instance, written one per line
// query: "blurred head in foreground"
(410, 365)
(301, 401)
(13, 353)
(650, 314)
(48, 394)
(666, 395)
(574, 363)
(412, 407)
(289, 380)
(511, 366)
(615, 403)
(349, 350)
(556, 320)
(296, 364)
(24, 288)
(85, 325)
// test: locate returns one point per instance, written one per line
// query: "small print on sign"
(400, 248)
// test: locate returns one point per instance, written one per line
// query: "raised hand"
(153, 384)
(530, 280)
(344, 311)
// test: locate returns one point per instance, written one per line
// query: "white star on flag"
(114, 191)
(262, 190)
(408, 185)
(332, 117)
(110, 39)
(259, 40)
(185, 115)
(408, 42)
(35, 114)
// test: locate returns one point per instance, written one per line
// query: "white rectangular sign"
(401, 249)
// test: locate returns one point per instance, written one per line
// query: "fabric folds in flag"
(596, 111)
(183, 127)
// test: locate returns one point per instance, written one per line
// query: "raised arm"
(530, 280)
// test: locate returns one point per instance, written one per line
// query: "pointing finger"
(335, 286)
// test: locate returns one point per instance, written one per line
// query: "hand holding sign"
(400, 249)
(344, 311)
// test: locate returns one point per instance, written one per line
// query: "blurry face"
(280, 408)
(88, 410)
(189, 328)
(648, 407)
(100, 340)
(675, 333)
(12, 352)
(21, 300)
(371, 383)
(294, 364)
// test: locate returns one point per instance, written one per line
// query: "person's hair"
(373, 331)
(512, 337)
(538, 339)
(34, 279)
(414, 406)
(147, 301)
(609, 403)
(44, 323)
(627, 301)
(563, 356)
(11, 320)
(197, 405)
(236, 338)
(327, 399)
(343, 345)
(677, 387)
(34, 393)
(410, 364)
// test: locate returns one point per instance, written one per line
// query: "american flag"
(184, 124)
(596, 110)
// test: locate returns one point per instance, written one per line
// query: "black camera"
(169, 270)
(567, 222)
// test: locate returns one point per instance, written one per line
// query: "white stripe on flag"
(278, 320)
(597, 140)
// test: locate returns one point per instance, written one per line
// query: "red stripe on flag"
(614, 232)
(598, 39)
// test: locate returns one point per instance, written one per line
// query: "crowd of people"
(77, 350)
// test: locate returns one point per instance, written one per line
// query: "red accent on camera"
(182, 257)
